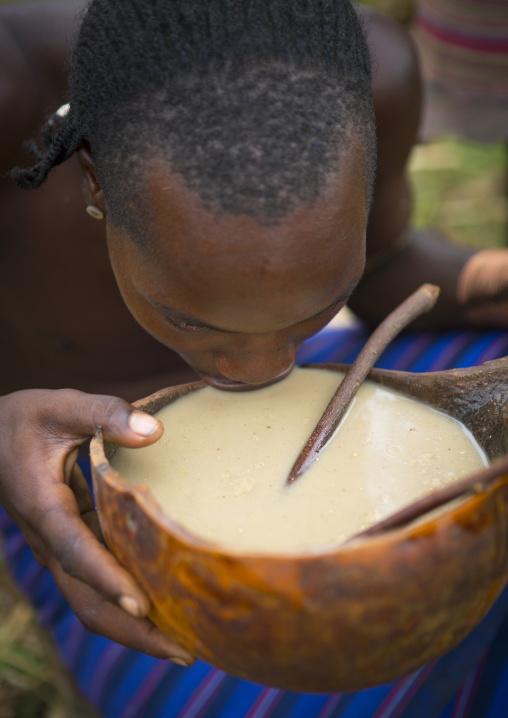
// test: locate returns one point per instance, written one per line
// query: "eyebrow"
(173, 313)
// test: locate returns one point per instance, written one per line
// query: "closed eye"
(184, 326)
(189, 327)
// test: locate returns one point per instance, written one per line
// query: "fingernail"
(142, 424)
(180, 661)
(130, 605)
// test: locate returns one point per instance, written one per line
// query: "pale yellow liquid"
(220, 469)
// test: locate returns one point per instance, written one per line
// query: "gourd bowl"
(338, 618)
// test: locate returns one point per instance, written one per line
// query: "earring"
(95, 212)
(63, 111)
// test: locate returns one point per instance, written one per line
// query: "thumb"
(120, 422)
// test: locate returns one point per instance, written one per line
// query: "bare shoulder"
(397, 102)
(397, 90)
(35, 43)
(396, 75)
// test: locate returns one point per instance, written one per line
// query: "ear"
(92, 189)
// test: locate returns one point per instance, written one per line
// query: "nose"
(256, 360)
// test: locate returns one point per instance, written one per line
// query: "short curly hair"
(252, 102)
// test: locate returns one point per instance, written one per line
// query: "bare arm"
(41, 431)
(399, 260)
(44, 491)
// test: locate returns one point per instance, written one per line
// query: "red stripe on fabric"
(399, 692)
(459, 701)
(451, 350)
(476, 44)
(272, 703)
(145, 690)
(6, 522)
(72, 648)
(412, 691)
(329, 706)
(496, 349)
(264, 702)
(399, 689)
(417, 347)
(104, 668)
(468, 691)
(476, 683)
(450, 19)
(14, 547)
(482, 66)
(476, 88)
(204, 695)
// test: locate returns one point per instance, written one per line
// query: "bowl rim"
(406, 523)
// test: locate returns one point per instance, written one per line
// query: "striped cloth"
(464, 44)
(470, 681)
(463, 49)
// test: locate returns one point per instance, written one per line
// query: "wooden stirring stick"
(418, 303)
(477, 483)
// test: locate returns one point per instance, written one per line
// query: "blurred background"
(460, 187)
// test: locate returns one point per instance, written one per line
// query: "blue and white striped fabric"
(471, 681)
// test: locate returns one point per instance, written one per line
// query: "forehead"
(208, 264)
(181, 221)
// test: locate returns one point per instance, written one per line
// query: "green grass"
(460, 189)
(33, 682)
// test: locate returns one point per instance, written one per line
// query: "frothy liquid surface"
(220, 468)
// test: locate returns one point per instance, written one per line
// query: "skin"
(221, 297)
(235, 299)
